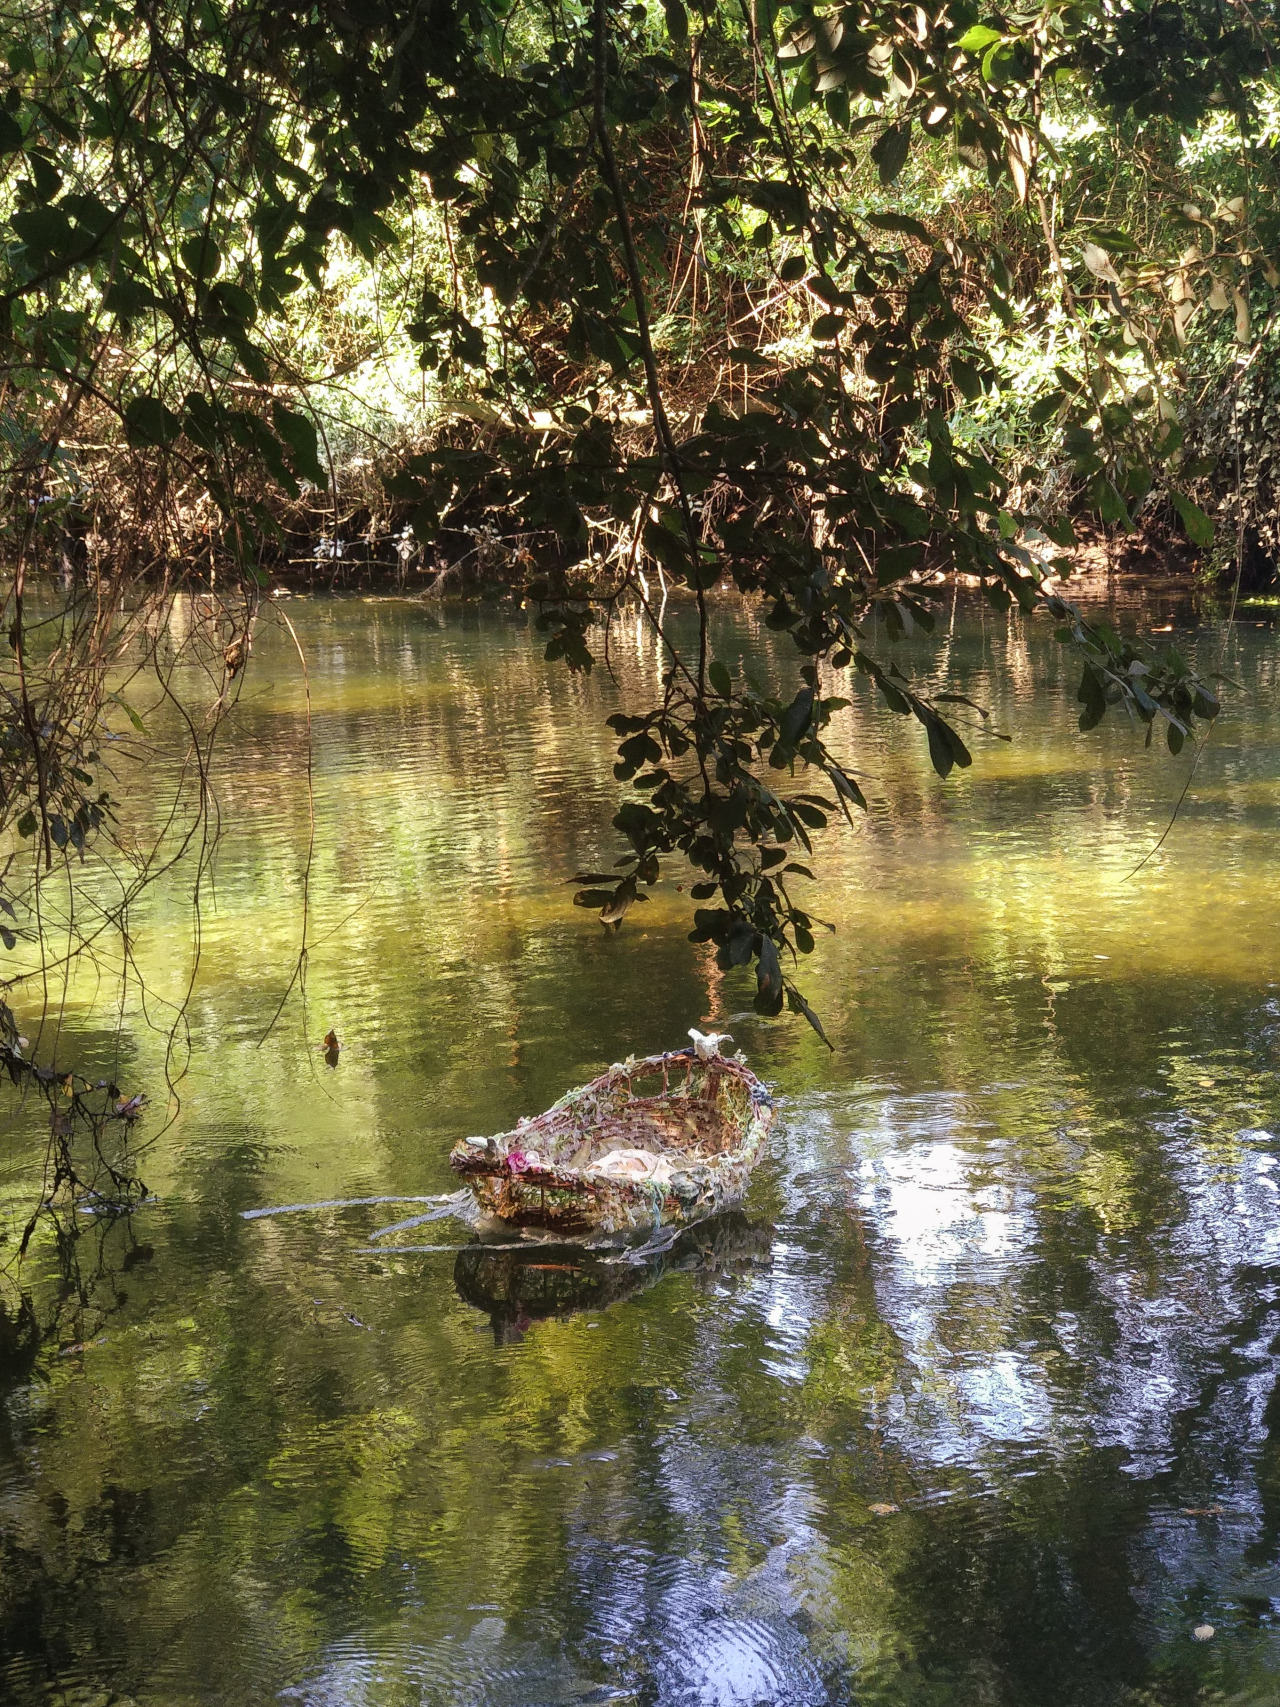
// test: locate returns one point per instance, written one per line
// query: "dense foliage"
(825, 304)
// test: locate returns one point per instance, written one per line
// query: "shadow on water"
(517, 1288)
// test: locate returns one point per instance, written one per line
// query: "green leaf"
(129, 712)
(370, 234)
(901, 223)
(149, 423)
(890, 150)
(668, 547)
(47, 230)
(967, 380)
(1111, 506)
(846, 787)
(796, 718)
(946, 749)
(233, 303)
(1198, 525)
(768, 974)
(1092, 696)
(798, 1005)
(939, 751)
(978, 38)
(200, 256)
(808, 815)
(1044, 408)
(299, 433)
(738, 946)
(677, 20)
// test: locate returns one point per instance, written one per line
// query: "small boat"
(662, 1141)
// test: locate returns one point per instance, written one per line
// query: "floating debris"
(456, 1203)
(336, 1203)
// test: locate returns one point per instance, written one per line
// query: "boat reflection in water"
(518, 1285)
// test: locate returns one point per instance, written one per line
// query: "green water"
(977, 1402)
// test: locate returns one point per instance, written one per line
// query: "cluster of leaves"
(1167, 105)
(90, 1122)
(44, 773)
(1161, 60)
(157, 219)
(1155, 685)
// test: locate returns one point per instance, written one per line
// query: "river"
(978, 1401)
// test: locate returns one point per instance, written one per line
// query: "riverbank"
(367, 540)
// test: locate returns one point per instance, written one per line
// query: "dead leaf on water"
(1204, 1632)
(1204, 1511)
(882, 1509)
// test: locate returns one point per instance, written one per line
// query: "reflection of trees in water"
(72, 1284)
(723, 1540)
(1022, 1289)
(1090, 1386)
(76, 1181)
(707, 1526)
(55, 1546)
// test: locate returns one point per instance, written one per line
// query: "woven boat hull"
(667, 1140)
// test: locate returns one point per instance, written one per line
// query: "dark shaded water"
(978, 1401)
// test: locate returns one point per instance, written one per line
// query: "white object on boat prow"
(706, 1045)
(632, 1164)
